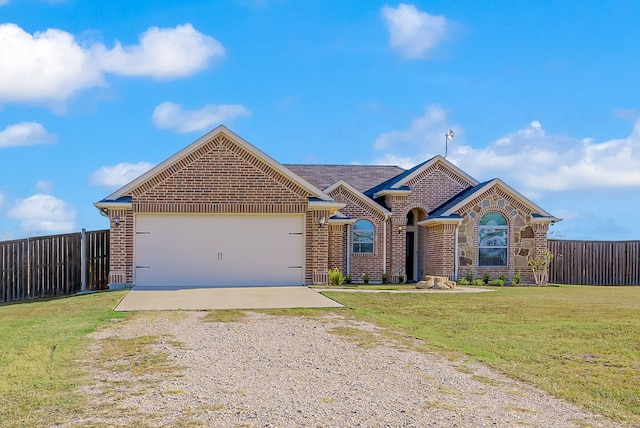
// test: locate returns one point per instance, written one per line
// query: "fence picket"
(50, 265)
(595, 262)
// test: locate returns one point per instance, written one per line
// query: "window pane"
(490, 237)
(363, 233)
(492, 257)
(493, 219)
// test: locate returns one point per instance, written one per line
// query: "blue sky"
(544, 95)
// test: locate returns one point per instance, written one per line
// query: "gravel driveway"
(325, 371)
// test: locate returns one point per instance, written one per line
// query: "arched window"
(493, 240)
(363, 236)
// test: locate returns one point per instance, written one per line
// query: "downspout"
(455, 255)
(348, 249)
(384, 244)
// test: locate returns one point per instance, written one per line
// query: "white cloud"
(172, 116)
(44, 213)
(51, 65)
(119, 175)
(163, 53)
(425, 133)
(25, 134)
(412, 32)
(3, 2)
(44, 186)
(1, 200)
(529, 159)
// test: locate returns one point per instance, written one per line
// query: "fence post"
(83, 261)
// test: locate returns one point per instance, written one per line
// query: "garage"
(218, 250)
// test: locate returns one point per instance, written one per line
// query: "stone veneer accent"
(526, 238)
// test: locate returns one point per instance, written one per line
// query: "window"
(492, 240)
(363, 237)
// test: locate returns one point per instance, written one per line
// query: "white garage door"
(184, 250)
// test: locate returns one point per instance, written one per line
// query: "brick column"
(317, 245)
(396, 242)
(336, 247)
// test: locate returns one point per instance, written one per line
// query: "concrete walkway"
(224, 298)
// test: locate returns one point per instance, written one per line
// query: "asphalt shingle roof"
(361, 177)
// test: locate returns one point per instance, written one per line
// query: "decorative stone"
(521, 262)
(436, 282)
(527, 243)
(527, 232)
(524, 252)
(465, 261)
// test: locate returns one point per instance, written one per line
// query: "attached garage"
(218, 213)
(217, 250)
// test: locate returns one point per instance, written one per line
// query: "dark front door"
(409, 260)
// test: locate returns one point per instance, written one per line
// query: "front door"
(410, 256)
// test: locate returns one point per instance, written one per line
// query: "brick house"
(222, 213)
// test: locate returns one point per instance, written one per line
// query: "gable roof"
(361, 177)
(449, 208)
(370, 202)
(127, 188)
(399, 182)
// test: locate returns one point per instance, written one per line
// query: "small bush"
(469, 278)
(365, 278)
(517, 279)
(478, 282)
(463, 281)
(385, 278)
(348, 279)
(335, 277)
(400, 277)
(486, 278)
(503, 278)
(496, 282)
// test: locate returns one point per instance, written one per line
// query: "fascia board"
(391, 192)
(359, 195)
(498, 182)
(113, 205)
(221, 129)
(439, 220)
(326, 205)
(430, 163)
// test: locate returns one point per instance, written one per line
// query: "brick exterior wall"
(218, 177)
(337, 244)
(221, 176)
(370, 264)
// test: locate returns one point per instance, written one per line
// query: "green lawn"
(40, 345)
(577, 342)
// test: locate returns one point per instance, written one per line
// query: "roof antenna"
(448, 136)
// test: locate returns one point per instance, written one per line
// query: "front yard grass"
(579, 343)
(40, 344)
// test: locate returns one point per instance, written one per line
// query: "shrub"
(486, 278)
(469, 278)
(348, 279)
(463, 281)
(540, 266)
(496, 282)
(400, 277)
(503, 278)
(517, 279)
(385, 278)
(478, 282)
(335, 277)
(365, 278)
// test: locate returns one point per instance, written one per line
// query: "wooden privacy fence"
(595, 262)
(53, 265)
